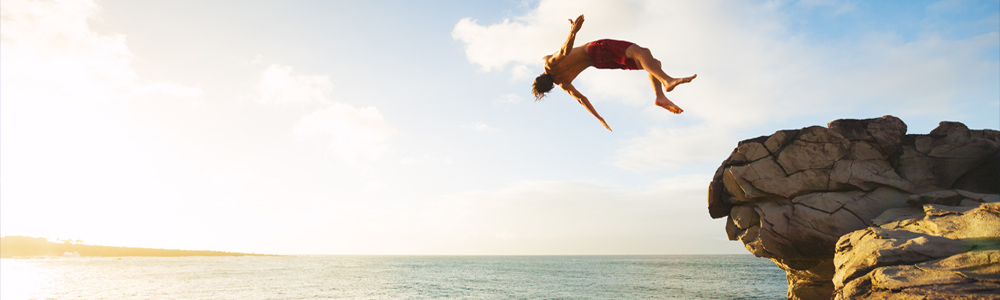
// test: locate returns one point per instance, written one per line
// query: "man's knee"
(644, 55)
(649, 59)
(645, 51)
(637, 52)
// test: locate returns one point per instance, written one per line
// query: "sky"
(408, 127)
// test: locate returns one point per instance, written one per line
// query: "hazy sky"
(408, 127)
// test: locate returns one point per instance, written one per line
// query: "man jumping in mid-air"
(563, 66)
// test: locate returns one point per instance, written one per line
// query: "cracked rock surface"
(792, 195)
(941, 252)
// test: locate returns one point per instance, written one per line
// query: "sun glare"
(21, 278)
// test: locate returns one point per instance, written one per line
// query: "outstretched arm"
(568, 45)
(569, 88)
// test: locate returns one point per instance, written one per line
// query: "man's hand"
(577, 24)
(604, 123)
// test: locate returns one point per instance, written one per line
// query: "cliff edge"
(800, 197)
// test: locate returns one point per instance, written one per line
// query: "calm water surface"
(394, 277)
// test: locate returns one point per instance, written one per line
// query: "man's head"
(542, 85)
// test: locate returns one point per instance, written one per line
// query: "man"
(563, 66)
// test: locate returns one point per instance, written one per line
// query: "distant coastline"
(28, 247)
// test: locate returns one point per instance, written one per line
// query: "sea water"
(394, 277)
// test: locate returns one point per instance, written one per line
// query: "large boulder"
(930, 250)
(791, 196)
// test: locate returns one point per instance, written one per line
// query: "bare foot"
(669, 105)
(669, 86)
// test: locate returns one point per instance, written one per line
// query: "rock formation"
(792, 195)
(944, 247)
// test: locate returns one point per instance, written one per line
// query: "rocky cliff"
(793, 195)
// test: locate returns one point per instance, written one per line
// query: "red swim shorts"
(610, 54)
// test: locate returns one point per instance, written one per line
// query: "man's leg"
(661, 100)
(652, 65)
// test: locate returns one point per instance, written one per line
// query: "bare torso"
(566, 69)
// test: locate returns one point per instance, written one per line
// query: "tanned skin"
(569, 62)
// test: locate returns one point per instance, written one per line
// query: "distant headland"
(27, 247)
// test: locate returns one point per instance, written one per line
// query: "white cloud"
(483, 44)
(49, 51)
(281, 86)
(521, 72)
(481, 127)
(507, 99)
(357, 133)
(256, 60)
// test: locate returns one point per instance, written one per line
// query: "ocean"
(394, 277)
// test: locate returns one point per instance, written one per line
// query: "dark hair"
(542, 85)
